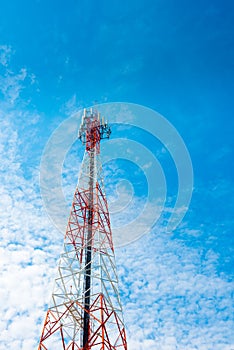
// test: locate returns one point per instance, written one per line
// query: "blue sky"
(175, 57)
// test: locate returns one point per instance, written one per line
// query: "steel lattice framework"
(85, 311)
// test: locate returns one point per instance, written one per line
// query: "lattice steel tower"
(85, 312)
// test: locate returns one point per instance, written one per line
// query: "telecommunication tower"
(85, 311)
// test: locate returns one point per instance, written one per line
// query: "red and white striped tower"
(85, 311)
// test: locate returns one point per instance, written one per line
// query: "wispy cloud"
(23, 281)
(11, 83)
(170, 302)
(5, 55)
(23, 236)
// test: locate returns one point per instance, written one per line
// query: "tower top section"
(93, 129)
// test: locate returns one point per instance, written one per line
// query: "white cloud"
(5, 55)
(12, 84)
(168, 301)
(24, 284)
